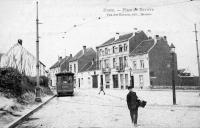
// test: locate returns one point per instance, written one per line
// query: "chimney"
(70, 55)
(157, 36)
(116, 35)
(20, 41)
(84, 49)
(59, 58)
(165, 38)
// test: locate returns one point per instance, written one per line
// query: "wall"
(140, 71)
(160, 64)
(53, 73)
(86, 79)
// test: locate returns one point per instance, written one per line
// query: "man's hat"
(130, 87)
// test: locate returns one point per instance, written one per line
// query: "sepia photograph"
(99, 64)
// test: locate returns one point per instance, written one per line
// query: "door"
(132, 81)
(79, 82)
(115, 81)
(94, 81)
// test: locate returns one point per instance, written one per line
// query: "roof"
(121, 38)
(124, 37)
(80, 54)
(143, 47)
(90, 66)
(57, 64)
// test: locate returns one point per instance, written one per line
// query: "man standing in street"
(132, 105)
(101, 89)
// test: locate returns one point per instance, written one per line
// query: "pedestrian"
(101, 89)
(132, 105)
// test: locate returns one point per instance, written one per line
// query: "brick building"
(151, 63)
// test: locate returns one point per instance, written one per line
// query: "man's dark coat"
(132, 100)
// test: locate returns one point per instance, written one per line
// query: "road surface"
(87, 109)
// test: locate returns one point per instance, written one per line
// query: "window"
(70, 68)
(74, 67)
(125, 47)
(121, 66)
(126, 79)
(120, 48)
(141, 64)
(116, 49)
(134, 65)
(125, 61)
(113, 49)
(114, 62)
(106, 51)
(100, 64)
(106, 62)
(141, 80)
(103, 53)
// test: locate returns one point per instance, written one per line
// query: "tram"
(65, 83)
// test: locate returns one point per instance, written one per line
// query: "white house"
(18, 57)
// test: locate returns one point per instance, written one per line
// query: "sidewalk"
(7, 120)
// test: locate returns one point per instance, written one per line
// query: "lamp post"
(38, 97)
(172, 52)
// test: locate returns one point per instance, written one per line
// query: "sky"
(58, 36)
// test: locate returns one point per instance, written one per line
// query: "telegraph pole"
(38, 98)
(197, 49)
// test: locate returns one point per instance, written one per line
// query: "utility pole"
(197, 49)
(38, 97)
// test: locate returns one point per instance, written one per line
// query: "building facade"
(151, 63)
(113, 57)
(78, 62)
(89, 75)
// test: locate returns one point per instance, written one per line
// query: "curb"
(18, 121)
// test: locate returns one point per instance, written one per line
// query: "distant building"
(61, 65)
(113, 57)
(79, 61)
(150, 63)
(18, 57)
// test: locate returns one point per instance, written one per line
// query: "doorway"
(94, 81)
(115, 81)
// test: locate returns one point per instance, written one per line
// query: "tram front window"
(65, 79)
(59, 79)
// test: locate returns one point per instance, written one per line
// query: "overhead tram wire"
(84, 23)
